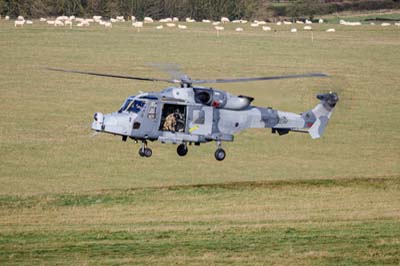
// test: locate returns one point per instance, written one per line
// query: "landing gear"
(219, 153)
(144, 151)
(182, 150)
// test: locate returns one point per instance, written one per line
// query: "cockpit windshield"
(125, 105)
(136, 106)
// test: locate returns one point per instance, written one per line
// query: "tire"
(220, 154)
(148, 152)
(141, 153)
(182, 150)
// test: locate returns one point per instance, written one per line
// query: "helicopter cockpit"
(132, 105)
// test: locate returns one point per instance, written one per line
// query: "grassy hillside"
(68, 198)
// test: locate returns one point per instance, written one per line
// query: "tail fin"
(317, 118)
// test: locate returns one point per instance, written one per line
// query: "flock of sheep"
(63, 21)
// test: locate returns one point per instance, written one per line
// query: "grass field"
(68, 198)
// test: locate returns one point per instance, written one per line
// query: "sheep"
(225, 20)
(279, 23)
(236, 21)
(261, 22)
(293, 30)
(243, 21)
(175, 19)
(138, 25)
(190, 20)
(320, 21)
(287, 23)
(397, 24)
(97, 18)
(58, 23)
(372, 24)
(165, 20)
(160, 27)
(20, 18)
(133, 18)
(89, 20)
(148, 20)
(299, 22)
(19, 23)
(206, 21)
(331, 30)
(29, 22)
(68, 23)
(113, 20)
(342, 22)
(216, 23)
(120, 18)
(50, 22)
(171, 25)
(385, 24)
(182, 27)
(308, 21)
(307, 28)
(42, 20)
(239, 29)
(71, 18)
(108, 25)
(266, 28)
(254, 25)
(7, 18)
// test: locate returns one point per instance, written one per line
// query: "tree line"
(197, 9)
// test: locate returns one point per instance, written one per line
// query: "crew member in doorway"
(170, 122)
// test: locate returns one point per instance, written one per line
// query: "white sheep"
(97, 18)
(113, 20)
(307, 28)
(138, 25)
(58, 23)
(175, 19)
(42, 20)
(7, 18)
(133, 18)
(71, 18)
(206, 21)
(190, 20)
(171, 25)
(216, 23)
(308, 21)
(239, 29)
(160, 27)
(19, 23)
(243, 21)
(108, 25)
(254, 25)
(385, 24)
(236, 21)
(397, 24)
(182, 27)
(261, 22)
(266, 28)
(293, 30)
(320, 21)
(29, 22)
(299, 22)
(218, 28)
(50, 22)
(68, 23)
(372, 23)
(287, 23)
(165, 20)
(120, 18)
(331, 30)
(148, 20)
(20, 18)
(279, 23)
(225, 20)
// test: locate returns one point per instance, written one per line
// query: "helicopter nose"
(98, 121)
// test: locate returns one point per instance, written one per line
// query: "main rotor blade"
(309, 75)
(173, 70)
(113, 76)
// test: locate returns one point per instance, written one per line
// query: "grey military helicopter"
(191, 114)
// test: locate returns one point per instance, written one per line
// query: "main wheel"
(220, 154)
(182, 150)
(141, 152)
(148, 152)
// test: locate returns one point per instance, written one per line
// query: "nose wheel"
(220, 153)
(144, 151)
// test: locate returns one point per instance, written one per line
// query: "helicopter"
(187, 113)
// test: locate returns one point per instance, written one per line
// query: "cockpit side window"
(136, 106)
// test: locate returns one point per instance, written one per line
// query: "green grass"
(67, 198)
